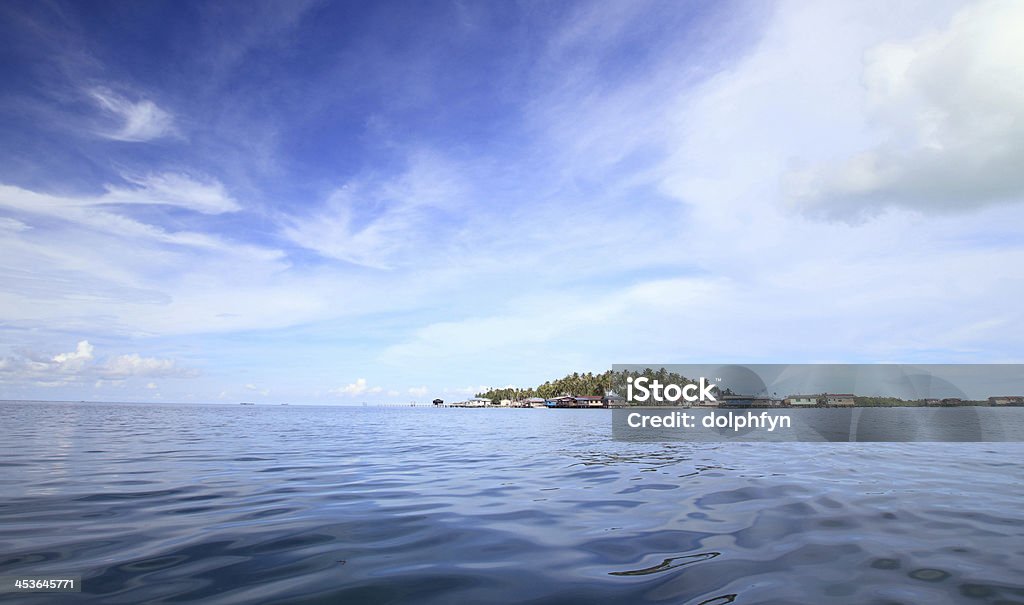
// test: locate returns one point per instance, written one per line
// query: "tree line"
(578, 385)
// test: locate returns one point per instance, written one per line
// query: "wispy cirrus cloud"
(383, 222)
(207, 196)
(100, 212)
(134, 121)
(11, 224)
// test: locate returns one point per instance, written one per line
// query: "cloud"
(382, 222)
(138, 121)
(123, 269)
(76, 359)
(119, 270)
(257, 389)
(91, 212)
(359, 387)
(81, 365)
(173, 189)
(10, 224)
(133, 364)
(661, 204)
(418, 391)
(950, 107)
(736, 271)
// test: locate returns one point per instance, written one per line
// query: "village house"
(565, 401)
(839, 399)
(745, 401)
(802, 400)
(1006, 400)
(707, 403)
(614, 400)
(590, 401)
(476, 402)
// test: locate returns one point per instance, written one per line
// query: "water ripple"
(221, 505)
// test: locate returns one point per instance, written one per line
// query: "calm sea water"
(233, 504)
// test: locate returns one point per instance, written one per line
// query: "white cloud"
(257, 389)
(90, 213)
(949, 104)
(76, 359)
(138, 121)
(418, 391)
(359, 387)
(173, 189)
(81, 365)
(10, 224)
(96, 269)
(764, 283)
(643, 217)
(133, 364)
(385, 222)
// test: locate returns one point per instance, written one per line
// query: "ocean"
(222, 504)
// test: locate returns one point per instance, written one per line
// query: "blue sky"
(336, 203)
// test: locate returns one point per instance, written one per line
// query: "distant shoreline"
(966, 404)
(972, 404)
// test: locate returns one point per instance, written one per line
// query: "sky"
(327, 202)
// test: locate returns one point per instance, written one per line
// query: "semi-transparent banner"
(817, 402)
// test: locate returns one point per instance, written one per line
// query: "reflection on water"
(667, 564)
(231, 504)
